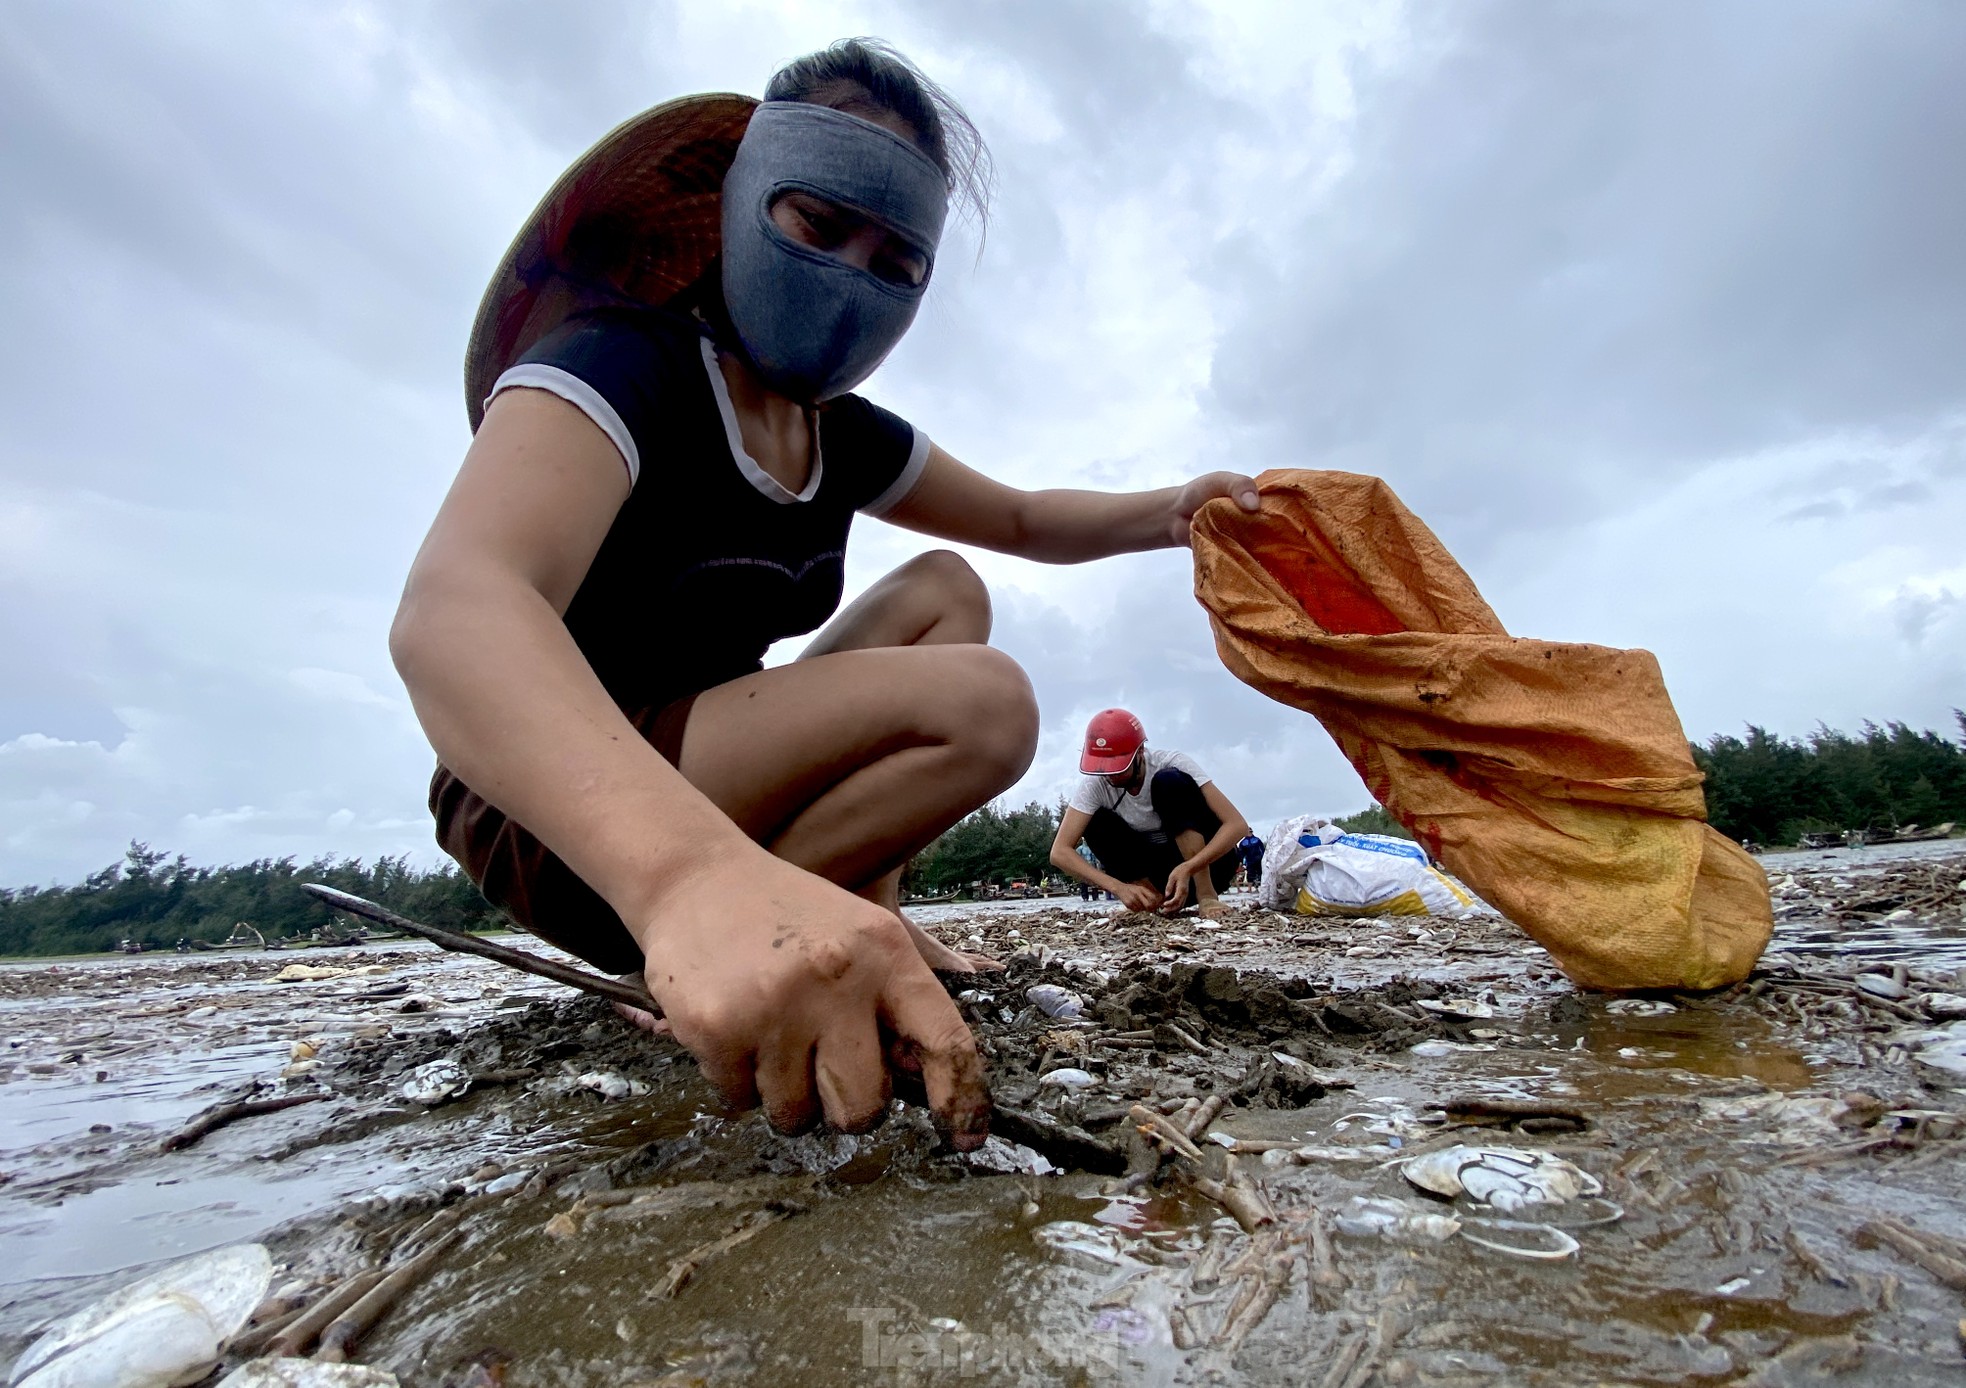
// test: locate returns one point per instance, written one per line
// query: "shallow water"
(879, 1260)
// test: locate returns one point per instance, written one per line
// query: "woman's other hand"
(1203, 490)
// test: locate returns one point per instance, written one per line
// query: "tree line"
(1772, 790)
(156, 900)
(1760, 786)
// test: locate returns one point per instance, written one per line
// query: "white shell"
(1463, 1009)
(1639, 1007)
(1508, 1178)
(166, 1329)
(1098, 1247)
(1377, 1217)
(305, 1373)
(435, 1082)
(1068, 1078)
(1519, 1239)
(609, 1085)
(1945, 1006)
(1881, 986)
(1054, 1001)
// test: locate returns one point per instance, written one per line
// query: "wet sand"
(616, 1229)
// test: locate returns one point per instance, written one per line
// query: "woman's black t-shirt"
(710, 559)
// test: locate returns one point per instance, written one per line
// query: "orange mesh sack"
(1553, 779)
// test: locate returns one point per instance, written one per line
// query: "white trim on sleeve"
(532, 375)
(746, 464)
(911, 474)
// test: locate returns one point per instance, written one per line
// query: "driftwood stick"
(631, 994)
(1211, 1109)
(300, 1334)
(1947, 1269)
(1154, 1126)
(212, 1119)
(351, 1325)
(684, 1268)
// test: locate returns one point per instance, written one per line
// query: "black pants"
(1133, 856)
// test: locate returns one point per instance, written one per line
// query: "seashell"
(1378, 1217)
(1519, 1239)
(1089, 1245)
(1068, 1078)
(1458, 1009)
(306, 1373)
(1945, 1006)
(1639, 1007)
(1507, 1178)
(1054, 1001)
(609, 1085)
(167, 1329)
(1881, 986)
(435, 1082)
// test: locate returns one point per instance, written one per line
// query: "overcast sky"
(1656, 313)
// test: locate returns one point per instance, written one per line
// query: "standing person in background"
(1250, 851)
(1163, 829)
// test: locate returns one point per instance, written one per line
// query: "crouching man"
(1163, 832)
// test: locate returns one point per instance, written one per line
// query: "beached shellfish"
(435, 1082)
(609, 1085)
(1519, 1239)
(306, 1373)
(167, 1329)
(1054, 1001)
(1639, 1007)
(1066, 1077)
(1507, 1178)
(1379, 1217)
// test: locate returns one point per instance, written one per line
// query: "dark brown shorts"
(523, 878)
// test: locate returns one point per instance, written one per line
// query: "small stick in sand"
(613, 989)
(219, 1116)
(300, 1334)
(684, 1268)
(351, 1325)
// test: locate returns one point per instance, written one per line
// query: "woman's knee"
(993, 714)
(945, 580)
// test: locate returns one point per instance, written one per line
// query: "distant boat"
(1911, 833)
(928, 900)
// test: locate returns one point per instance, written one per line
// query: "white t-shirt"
(1095, 793)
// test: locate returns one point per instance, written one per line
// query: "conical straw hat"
(638, 215)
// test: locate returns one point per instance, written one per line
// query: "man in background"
(1161, 828)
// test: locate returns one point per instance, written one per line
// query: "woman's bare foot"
(943, 959)
(1212, 909)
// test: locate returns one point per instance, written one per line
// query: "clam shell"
(1639, 1007)
(1519, 1239)
(1068, 1078)
(435, 1082)
(1458, 1009)
(1054, 1001)
(166, 1329)
(305, 1373)
(1507, 1178)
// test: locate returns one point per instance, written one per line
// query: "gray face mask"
(813, 326)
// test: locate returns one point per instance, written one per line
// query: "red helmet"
(1113, 739)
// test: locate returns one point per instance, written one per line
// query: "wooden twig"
(684, 1268)
(1211, 1109)
(351, 1325)
(300, 1334)
(212, 1119)
(1941, 1265)
(629, 994)
(1156, 1128)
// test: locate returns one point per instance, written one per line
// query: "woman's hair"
(871, 75)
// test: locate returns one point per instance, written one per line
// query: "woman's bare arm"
(955, 502)
(754, 961)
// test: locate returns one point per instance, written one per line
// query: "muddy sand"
(1763, 1186)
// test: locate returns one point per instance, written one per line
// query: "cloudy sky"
(1657, 314)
